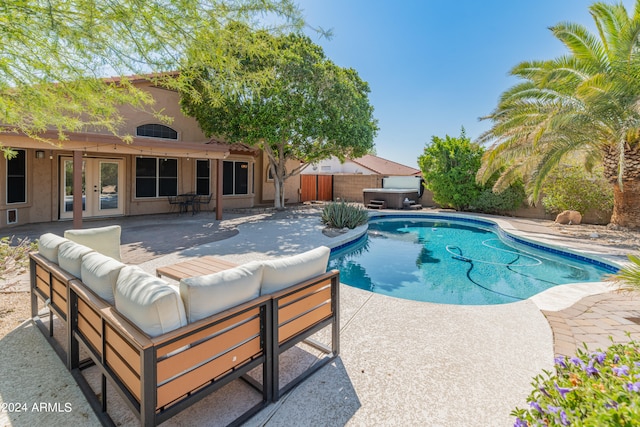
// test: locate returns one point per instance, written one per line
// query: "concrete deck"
(401, 362)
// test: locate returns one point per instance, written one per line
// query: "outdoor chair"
(199, 201)
(173, 202)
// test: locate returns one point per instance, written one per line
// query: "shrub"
(497, 203)
(449, 168)
(16, 257)
(341, 215)
(573, 188)
(590, 389)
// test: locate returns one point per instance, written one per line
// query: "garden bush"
(498, 203)
(600, 388)
(449, 167)
(14, 258)
(344, 215)
(573, 188)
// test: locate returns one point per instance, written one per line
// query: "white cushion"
(149, 302)
(213, 293)
(100, 273)
(48, 246)
(282, 273)
(70, 257)
(105, 240)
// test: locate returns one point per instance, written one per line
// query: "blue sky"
(436, 65)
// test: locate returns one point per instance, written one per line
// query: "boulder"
(569, 217)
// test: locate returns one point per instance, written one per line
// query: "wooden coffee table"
(194, 267)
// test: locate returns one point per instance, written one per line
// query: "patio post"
(77, 189)
(219, 178)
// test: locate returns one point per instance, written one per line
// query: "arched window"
(156, 131)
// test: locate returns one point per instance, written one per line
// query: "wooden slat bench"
(194, 267)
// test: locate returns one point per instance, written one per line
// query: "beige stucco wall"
(39, 192)
(291, 185)
(168, 103)
(43, 175)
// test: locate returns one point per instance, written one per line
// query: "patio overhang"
(103, 143)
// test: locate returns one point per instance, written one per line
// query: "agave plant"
(341, 215)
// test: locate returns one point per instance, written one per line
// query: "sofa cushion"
(149, 302)
(105, 240)
(48, 246)
(70, 257)
(213, 293)
(281, 273)
(100, 273)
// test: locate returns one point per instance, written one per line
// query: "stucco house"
(121, 179)
(365, 165)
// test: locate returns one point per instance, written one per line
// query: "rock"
(569, 217)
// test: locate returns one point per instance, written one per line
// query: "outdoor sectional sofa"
(165, 347)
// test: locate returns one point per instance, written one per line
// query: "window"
(203, 177)
(17, 178)
(156, 177)
(156, 131)
(235, 178)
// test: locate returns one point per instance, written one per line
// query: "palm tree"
(583, 105)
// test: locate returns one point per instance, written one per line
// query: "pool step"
(377, 204)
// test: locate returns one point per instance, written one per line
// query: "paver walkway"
(597, 321)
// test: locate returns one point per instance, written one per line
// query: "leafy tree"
(584, 102)
(449, 167)
(56, 53)
(293, 103)
(570, 187)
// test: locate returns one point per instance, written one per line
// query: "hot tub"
(394, 197)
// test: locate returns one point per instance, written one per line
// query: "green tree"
(570, 187)
(449, 167)
(56, 53)
(294, 102)
(585, 102)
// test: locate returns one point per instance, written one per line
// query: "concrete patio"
(401, 362)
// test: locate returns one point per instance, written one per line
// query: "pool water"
(451, 262)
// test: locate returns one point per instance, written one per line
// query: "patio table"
(195, 267)
(187, 199)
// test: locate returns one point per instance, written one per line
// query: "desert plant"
(342, 214)
(14, 257)
(600, 388)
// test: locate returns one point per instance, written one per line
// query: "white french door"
(102, 184)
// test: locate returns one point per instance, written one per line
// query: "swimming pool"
(456, 260)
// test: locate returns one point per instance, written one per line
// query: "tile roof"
(384, 166)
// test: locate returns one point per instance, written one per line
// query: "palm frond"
(629, 276)
(582, 44)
